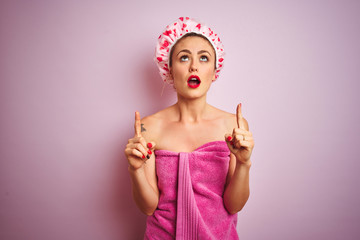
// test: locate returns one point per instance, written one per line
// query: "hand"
(138, 151)
(240, 142)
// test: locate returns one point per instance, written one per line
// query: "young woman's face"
(193, 66)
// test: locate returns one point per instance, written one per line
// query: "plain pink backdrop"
(73, 73)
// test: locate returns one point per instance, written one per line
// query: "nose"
(193, 66)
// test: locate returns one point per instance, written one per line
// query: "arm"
(142, 170)
(240, 143)
(237, 190)
(144, 186)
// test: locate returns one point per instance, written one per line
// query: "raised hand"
(240, 142)
(138, 151)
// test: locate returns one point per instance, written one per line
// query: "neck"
(192, 110)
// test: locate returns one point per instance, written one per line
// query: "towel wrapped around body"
(191, 186)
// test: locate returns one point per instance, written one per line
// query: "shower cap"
(176, 31)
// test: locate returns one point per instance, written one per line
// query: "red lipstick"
(194, 81)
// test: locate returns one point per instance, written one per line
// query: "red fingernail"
(229, 138)
(149, 145)
(149, 151)
(143, 156)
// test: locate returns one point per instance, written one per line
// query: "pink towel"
(191, 189)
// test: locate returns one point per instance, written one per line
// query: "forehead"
(195, 44)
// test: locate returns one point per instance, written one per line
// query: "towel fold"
(191, 187)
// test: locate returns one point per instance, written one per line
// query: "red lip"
(194, 83)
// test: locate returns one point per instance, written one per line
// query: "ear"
(170, 71)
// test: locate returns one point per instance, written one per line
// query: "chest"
(186, 138)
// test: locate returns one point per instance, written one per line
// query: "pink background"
(73, 73)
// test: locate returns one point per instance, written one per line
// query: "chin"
(191, 95)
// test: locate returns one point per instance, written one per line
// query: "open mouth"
(194, 81)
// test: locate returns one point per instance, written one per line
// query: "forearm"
(146, 198)
(238, 190)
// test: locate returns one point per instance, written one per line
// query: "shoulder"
(230, 119)
(152, 124)
(157, 118)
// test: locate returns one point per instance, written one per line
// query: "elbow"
(234, 207)
(149, 211)
(232, 211)
(147, 207)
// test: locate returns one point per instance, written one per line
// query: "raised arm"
(241, 144)
(141, 159)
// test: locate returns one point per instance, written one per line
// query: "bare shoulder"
(151, 125)
(226, 119)
(230, 119)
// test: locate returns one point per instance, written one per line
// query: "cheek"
(210, 72)
(178, 70)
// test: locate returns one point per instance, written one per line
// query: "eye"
(204, 58)
(184, 58)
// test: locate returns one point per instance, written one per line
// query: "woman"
(185, 177)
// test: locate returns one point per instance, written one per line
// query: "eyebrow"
(188, 51)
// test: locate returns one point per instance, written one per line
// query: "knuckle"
(134, 152)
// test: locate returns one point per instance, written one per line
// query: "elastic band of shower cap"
(176, 31)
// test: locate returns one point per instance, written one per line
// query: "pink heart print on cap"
(176, 31)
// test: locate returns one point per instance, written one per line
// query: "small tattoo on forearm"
(142, 128)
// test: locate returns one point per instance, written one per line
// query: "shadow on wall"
(130, 219)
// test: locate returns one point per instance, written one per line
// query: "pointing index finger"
(239, 118)
(137, 124)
